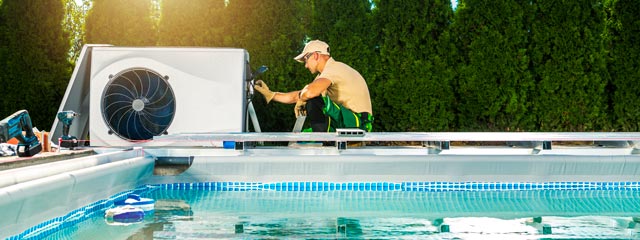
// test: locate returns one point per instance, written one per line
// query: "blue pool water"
(369, 210)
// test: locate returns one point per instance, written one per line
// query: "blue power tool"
(13, 127)
(66, 117)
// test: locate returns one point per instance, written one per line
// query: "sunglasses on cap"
(307, 56)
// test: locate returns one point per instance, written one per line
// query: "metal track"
(406, 136)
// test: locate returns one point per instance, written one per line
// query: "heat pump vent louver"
(138, 104)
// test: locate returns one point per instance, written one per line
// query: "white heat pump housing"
(208, 88)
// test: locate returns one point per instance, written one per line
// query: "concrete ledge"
(44, 157)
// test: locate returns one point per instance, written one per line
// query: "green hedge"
(568, 64)
(413, 87)
(494, 83)
(34, 70)
(622, 38)
(121, 23)
(191, 23)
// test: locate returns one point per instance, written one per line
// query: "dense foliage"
(623, 36)
(34, 70)
(567, 62)
(522, 65)
(121, 23)
(494, 84)
(191, 23)
(415, 70)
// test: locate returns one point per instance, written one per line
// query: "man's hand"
(300, 109)
(262, 87)
(301, 106)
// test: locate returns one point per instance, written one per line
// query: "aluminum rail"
(405, 136)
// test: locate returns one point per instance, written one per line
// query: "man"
(337, 98)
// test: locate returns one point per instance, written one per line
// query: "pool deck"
(11, 162)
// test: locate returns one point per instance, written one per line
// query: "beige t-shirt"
(348, 87)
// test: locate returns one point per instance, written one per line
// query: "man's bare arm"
(315, 88)
(288, 97)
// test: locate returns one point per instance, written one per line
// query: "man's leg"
(341, 117)
(317, 119)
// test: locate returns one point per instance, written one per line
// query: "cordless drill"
(66, 117)
(18, 125)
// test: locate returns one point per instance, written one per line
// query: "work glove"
(262, 87)
(300, 108)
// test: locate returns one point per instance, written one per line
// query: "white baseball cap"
(313, 46)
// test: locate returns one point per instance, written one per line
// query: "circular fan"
(138, 104)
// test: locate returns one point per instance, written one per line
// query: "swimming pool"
(418, 184)
(239, 210)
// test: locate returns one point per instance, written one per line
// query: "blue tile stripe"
(402, 186)
(76, 216)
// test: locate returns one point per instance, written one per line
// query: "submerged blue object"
(124, 214)
(146, 204)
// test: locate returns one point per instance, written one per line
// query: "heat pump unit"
(137, 94)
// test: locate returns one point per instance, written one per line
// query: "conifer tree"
(494, 83)
(413, 91)
(623, 34)
(75, 15)
(33, 56)
(3, 52)
(568, 65)
(191, 23)
(121, 23)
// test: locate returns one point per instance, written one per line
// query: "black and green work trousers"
(325, 116)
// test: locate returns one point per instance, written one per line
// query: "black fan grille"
(138, 104)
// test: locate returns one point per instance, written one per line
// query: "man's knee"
(317, 119)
